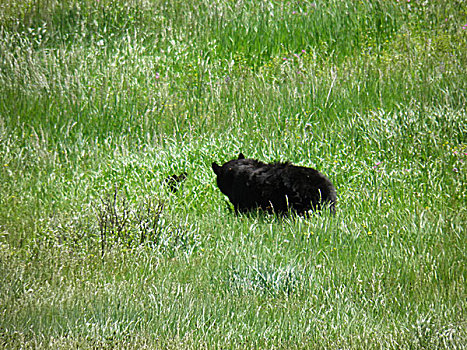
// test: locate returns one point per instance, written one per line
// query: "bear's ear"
(217, 169)
(241, 156)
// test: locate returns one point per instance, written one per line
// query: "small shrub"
(130, 226)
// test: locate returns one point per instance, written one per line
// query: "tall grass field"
(102, 100)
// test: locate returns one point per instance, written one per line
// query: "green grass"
(101, 101)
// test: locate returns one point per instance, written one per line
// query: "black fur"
(173, 181)
(278, 187)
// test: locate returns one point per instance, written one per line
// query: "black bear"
(276, 188)
(173, 181)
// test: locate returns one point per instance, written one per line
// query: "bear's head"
(225, 175)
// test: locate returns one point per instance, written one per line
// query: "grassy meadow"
(101, 100)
